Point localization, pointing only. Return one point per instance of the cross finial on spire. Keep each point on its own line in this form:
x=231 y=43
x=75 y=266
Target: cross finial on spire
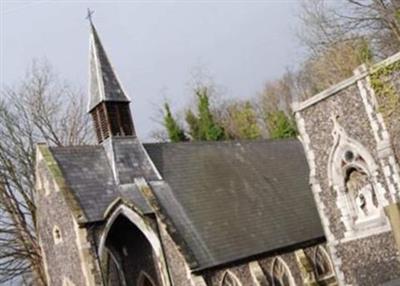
x=89 y=15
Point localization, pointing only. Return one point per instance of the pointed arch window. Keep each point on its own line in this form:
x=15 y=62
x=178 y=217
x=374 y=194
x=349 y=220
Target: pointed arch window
x=230 y=279
x=352 y=174
x=145 y=279
x=322 y=264
x=280 y=273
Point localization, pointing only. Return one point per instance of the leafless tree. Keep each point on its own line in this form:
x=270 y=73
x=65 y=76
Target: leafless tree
x=326 y=23
x=340 y=36
x=278 y=94
x=39 y=109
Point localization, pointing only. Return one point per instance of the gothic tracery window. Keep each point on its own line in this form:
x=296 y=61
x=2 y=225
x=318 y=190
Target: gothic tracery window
x=354 y=175
x=280 y=273
x=229 y=279
x=322 y=264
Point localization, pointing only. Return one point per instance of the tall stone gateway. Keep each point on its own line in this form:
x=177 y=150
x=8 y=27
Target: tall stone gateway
x=351 y=136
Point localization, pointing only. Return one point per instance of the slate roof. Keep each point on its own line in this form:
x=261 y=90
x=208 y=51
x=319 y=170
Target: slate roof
x=232 y=200
x=226 y=200
x=89 y=176
x=131 y=160
x=104 y=84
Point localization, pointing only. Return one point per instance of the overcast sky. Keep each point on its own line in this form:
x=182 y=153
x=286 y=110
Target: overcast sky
x=155 y=46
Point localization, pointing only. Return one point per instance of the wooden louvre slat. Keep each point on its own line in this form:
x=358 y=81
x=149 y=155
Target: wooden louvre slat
x=96 y=125
x=103 y=121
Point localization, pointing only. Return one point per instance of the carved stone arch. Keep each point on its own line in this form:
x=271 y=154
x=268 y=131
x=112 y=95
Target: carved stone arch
x=116 y=266
x=342 y=145
x=280 y=273
x=322 y=263
x=257 y=274
x=230 y=279
x=349 y=159
x=145 y=229
x=145 y=279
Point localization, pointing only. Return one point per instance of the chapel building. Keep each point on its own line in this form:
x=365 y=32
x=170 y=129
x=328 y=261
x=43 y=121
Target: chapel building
x=319 y=210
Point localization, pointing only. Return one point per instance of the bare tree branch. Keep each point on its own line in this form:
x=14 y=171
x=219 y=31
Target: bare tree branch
x=40 y=108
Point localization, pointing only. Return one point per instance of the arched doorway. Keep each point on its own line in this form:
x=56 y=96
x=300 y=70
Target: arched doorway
x=128 y=247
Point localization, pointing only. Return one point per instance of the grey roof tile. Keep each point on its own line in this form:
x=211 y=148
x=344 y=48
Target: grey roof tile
x=236 y=199
x=89 y=176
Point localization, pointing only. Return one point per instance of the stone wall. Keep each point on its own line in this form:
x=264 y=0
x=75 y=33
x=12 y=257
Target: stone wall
x=348 y=116
x=56 y=232
x=259 y=272
x=178 y=268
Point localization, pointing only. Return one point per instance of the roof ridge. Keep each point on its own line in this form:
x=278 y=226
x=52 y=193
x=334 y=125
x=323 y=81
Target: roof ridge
x=224 y=141
x=86 y=146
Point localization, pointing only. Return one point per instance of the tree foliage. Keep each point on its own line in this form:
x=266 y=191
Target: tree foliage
x=329 y=67
x=175 y=132
x=202 y=126
x=280 y=125
x=233 y=119
x=240 y=121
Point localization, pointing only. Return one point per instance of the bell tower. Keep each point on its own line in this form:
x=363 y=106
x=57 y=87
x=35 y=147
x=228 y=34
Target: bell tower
x=108 y=103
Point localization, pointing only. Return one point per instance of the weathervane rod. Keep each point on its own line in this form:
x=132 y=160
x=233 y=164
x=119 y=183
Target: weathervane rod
x=89 y=15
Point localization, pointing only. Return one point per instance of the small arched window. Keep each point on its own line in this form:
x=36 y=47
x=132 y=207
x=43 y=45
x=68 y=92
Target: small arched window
x=280 y=273
x=229 y=279
x=57 y=235
x=322 y=263
x=145 y=280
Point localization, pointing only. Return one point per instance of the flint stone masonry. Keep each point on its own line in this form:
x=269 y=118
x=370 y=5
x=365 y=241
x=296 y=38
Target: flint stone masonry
x=57 y=256
x=369 y=257
x=370 y=261
x=348 y=106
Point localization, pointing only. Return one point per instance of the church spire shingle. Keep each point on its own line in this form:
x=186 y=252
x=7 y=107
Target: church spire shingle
x=108 y=103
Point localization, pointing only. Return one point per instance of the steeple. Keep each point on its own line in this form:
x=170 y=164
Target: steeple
x=108 y=103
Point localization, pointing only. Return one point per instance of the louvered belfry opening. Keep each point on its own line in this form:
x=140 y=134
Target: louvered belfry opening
x=120 y=119
x=112 y=119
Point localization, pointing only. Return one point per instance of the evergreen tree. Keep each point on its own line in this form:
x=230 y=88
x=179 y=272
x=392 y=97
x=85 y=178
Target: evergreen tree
x=175 y=132
x=280 y=125
x=193 y=123
x=203 y=126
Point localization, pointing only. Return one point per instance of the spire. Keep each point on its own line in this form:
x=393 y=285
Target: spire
x=108 y=103
x=104 y=84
